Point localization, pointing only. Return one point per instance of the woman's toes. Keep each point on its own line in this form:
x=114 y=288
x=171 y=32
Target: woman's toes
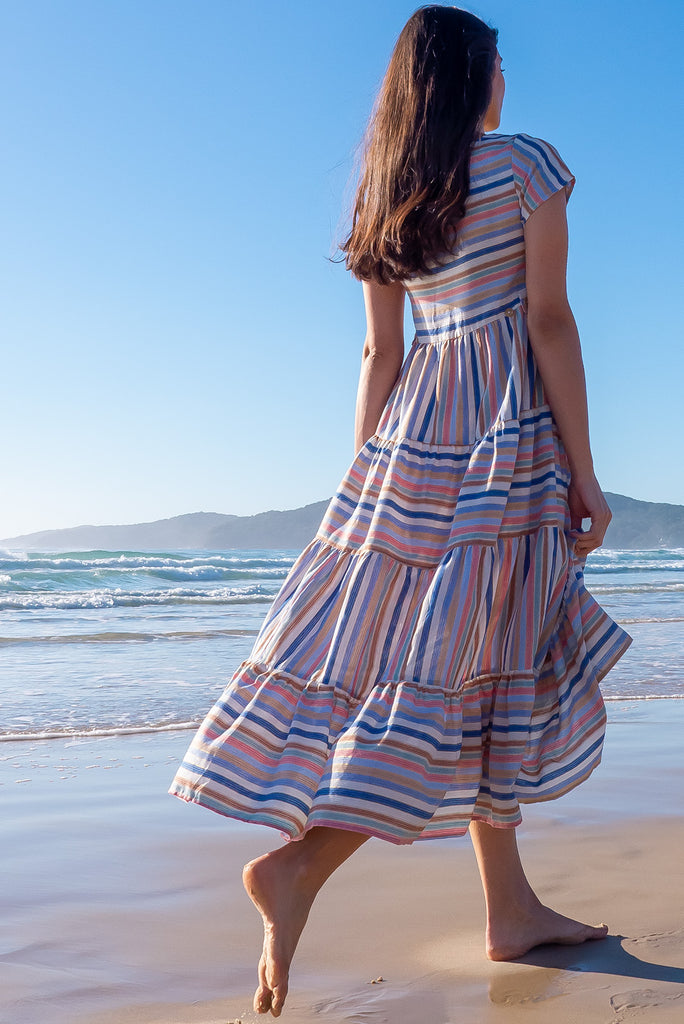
x=262 y=1001
x=279 y=993
x=263 y=997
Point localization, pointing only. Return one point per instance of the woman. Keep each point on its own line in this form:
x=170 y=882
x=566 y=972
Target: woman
x=432 y=659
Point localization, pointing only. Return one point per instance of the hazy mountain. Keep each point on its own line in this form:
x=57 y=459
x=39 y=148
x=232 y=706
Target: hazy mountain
x=293 y=528
x=636 y=524
x=644 y=524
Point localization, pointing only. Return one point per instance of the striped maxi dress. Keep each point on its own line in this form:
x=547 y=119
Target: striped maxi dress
x=433 y=655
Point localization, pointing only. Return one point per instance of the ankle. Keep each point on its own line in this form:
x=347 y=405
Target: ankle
x=514 y=906
x=301 y=865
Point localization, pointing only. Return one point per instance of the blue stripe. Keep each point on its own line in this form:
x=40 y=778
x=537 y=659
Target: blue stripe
x=375 y=798
x=565 y=769
x=254 y=795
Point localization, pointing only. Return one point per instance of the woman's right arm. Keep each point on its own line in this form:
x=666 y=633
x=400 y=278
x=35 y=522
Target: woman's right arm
x=383 y=354
x=556 y=346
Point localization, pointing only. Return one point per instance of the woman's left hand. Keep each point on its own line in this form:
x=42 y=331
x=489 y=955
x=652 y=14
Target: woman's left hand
x=587 y=501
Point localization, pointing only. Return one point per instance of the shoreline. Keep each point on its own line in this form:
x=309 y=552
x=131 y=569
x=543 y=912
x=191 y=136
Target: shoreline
x=116 y=731
x=124 y=905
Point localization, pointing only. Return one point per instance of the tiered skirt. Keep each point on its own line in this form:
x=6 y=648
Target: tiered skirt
x=433 y=655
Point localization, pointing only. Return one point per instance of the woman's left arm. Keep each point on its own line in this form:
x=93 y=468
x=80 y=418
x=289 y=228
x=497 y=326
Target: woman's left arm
x=383 y=354
x=556 y=346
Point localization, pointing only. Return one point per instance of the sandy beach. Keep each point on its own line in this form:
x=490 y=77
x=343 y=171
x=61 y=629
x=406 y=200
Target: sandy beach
x=122 y=904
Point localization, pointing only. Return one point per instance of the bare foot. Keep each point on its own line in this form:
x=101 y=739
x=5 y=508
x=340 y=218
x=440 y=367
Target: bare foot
x=277 y=885
x=537 y=926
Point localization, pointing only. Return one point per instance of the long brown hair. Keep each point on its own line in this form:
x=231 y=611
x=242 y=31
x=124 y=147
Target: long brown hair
x=415 y=173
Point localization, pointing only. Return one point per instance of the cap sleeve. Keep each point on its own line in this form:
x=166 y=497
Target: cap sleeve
x=538 y=172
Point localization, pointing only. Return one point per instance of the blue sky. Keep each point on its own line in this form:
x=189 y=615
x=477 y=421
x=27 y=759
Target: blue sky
x=174 y=179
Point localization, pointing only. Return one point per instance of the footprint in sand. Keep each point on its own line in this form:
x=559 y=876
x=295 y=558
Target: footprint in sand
x=664 y=1002
x=667 y=948
x=655 y=1006
x=528 y=986
x=384 y=1003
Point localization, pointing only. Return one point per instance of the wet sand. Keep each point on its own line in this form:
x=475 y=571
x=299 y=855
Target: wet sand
x=122 y=904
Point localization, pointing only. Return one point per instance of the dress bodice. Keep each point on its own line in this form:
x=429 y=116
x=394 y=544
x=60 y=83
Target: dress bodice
x=484 y=278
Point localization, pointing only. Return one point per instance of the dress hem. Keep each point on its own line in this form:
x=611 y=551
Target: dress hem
x=332 y=822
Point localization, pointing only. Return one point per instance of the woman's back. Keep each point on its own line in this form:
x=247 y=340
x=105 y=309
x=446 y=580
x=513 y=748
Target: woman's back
x=510 y=175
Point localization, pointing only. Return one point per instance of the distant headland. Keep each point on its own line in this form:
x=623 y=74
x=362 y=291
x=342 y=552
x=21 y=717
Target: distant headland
x=636 y=524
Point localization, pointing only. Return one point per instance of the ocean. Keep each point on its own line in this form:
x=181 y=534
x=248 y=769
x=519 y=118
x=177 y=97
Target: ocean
x=105 y=643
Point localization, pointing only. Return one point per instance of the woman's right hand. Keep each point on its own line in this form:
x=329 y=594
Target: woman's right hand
x=587 y=501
